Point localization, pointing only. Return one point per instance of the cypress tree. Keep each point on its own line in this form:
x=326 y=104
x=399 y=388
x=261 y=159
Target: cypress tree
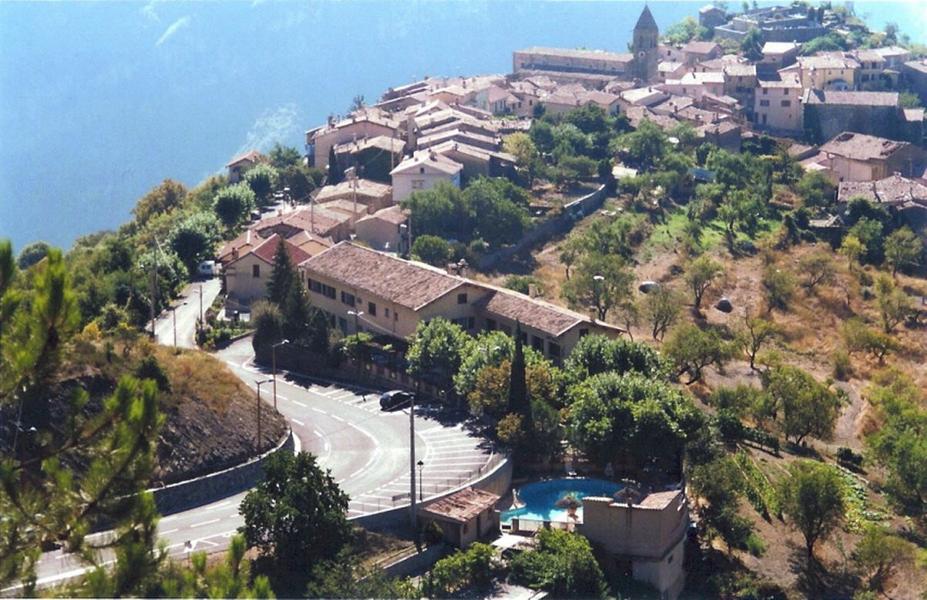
x=518 y=385
x=335 y=174
x=282 y=276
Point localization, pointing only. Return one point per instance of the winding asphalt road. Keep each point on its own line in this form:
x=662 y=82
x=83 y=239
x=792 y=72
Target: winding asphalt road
x=366 y=450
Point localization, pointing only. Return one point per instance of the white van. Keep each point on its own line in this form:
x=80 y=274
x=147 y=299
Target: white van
x=207 y=268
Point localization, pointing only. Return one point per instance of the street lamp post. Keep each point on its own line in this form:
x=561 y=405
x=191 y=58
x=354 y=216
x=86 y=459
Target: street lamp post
x=258 y=441
x=173 y=310
x=273 y=363
x=413 y=512
x=421 y=465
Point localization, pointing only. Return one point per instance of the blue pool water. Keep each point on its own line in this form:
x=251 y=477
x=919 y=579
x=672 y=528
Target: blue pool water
x=540 y=498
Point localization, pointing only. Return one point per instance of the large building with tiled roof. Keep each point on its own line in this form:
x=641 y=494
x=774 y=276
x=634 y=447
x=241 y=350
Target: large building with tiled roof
x=858 y=157
x=391 y=296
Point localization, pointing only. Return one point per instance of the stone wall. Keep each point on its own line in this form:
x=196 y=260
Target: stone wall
x=562 y=223
x=825 y=121
x=183 y=495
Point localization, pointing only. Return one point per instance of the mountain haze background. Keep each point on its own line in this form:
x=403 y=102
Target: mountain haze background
x=100 y=101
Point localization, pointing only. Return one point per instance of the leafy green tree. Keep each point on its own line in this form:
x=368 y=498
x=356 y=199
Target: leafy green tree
x=903 y=250
x=895 y=305
x=167 y=196
x=234 y=204
x=495 y=214
x=691 y=349
x=437 y=351
x=299 y=179
x=32 y=254
x=869 y=232
x=646 y=420
x=268 y=322
x=522 y=147
x=295 y=518
x=601 y=282
x=468 y=568
x=860 y=338
x=431 y=249
x=194 y=238
x=685 y=31
x=880 y=553
x=817 y=269
x=524 y=283
x=779 y=288
x=756 y=333
x=900 y=443
x=304 y=323
x=700 y=276
x=562 y=564
x=281 y=156
x=282 y=275
x=809 y=407
x=644 y=147
x=816 y=190
x=594 y=354
x=752 y=44
x=439 y=211
x=261 y=178
x=661 y=308
x=720 y=485
x=812 y=498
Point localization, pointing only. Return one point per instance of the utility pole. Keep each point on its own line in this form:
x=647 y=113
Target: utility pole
x=201 y=302
x=153 y=292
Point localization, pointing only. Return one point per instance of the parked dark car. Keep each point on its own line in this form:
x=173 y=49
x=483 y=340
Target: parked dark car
x=395 y=399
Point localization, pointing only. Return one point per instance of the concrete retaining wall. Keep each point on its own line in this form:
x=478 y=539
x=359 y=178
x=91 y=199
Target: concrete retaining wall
x=187 y=494
x=497 y=481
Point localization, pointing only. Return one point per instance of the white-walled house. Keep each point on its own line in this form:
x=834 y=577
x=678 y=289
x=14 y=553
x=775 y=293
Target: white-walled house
x=422 y=171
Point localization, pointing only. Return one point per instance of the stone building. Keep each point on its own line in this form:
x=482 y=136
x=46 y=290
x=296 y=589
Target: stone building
x=644 y=43
x=828 y=113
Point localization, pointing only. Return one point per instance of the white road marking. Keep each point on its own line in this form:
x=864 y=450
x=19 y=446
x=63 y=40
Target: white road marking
x=298 y=422
x=169 y=531
x=210 y=522
x=319 y=410
x=220 y=505
x=337 y=418
x=300 y=403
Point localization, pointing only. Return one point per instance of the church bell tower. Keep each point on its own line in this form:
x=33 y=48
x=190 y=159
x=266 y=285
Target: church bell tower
x=644 y=47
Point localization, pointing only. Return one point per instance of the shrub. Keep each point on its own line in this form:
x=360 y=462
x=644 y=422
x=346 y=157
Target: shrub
x=843 y=369
x=847 y=457
x=461 y=570
x=150 y=368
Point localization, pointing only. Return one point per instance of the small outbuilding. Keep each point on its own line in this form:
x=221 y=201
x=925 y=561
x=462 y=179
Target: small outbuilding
x=464 y=517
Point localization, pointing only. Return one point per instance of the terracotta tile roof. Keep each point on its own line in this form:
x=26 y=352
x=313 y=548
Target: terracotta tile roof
x=268 y=248
x=309 y=243
x=249 y=156
x=659 y=500
x=243 y=244
x=827 y=61
x=428 y=160
x=321 y=223
x=379 y=142
x=701 y=47
x=365 y=188
x=853 y=98
x=406 y=283
x=530 y=312
x=858 y=146
x=587 y=54
x=462 y=506
x=891 y=190
x=393 y=214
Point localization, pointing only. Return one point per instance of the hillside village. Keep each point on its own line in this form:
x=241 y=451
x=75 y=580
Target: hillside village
x=685 y=283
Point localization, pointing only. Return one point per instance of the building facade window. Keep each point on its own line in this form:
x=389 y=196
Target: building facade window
x=764 y=102
x=322 y=289
x=371 y=309
x=347 y=298
x=462 y=298
x=786 y=103
x=418 y=184
x=255 y=270
x=553 y=350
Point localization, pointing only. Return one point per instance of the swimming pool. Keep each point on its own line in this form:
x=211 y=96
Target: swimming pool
x=540 y=498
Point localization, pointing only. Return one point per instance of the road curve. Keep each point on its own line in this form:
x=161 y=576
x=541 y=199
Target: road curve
x=366 y=450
